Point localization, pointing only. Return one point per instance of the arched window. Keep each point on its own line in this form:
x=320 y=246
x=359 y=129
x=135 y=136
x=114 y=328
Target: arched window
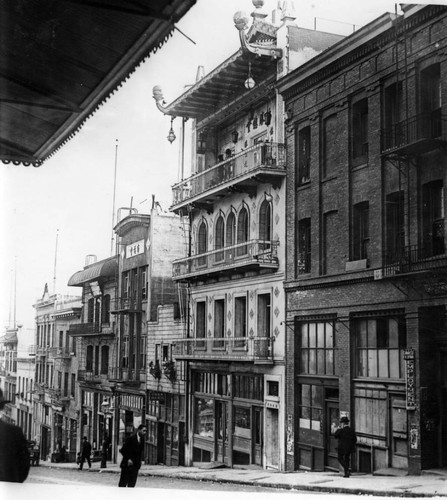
x=242 y=231
x=104 y=359
x=202 y=237
x=219 y=239
x=106 y=309
x=265 y=225
x=89 y=359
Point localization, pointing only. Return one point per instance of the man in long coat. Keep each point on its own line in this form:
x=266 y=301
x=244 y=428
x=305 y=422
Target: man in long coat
x=131 y=452
x=346 y=444
x=14 y=454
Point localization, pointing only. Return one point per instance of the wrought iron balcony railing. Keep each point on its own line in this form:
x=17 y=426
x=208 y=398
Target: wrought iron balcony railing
x=263 y=157
x=87 y=329
x=253 y=253
x=126 y=305
x=127 y=375
x=90 y=376
x=59 y=353
x=256 y=349
x=414 y=258
x=417 y=134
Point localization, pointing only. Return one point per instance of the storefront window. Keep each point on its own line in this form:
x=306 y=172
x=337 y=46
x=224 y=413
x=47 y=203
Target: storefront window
x=311 y=407
x=317 y=348
x=242 y=422
x=204 y=417
x=380 y=343
x=174 y=438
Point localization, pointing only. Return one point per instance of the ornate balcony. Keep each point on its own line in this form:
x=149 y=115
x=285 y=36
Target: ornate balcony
x=126 y=376
x=90 y=376
x=90 y=329
x=416 y=135
x=250 y=255
x=264 y=162
x=255 y=349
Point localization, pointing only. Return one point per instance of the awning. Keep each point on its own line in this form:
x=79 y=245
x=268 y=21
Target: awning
x=60 y=59
x=104 y=269
x=225 y=85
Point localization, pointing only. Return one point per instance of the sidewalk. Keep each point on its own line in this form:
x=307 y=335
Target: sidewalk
x=427 y=485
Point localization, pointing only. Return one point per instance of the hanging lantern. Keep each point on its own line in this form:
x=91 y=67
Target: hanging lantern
x=267 y=117
x=201 y=143
x=235 y=136
x=249 y=82
x=171 y=136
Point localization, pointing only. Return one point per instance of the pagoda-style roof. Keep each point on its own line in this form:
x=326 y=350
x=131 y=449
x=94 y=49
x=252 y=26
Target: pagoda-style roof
x=61 y=59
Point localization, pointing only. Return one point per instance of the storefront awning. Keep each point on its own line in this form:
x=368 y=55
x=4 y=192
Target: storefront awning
x=104 y=269
x=61 y=59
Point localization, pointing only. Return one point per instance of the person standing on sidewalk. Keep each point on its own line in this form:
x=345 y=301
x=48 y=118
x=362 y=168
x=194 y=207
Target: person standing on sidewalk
x=104 y=451
x=86 y=451
x=346 y=444
x=131 y=452
x=14 y=454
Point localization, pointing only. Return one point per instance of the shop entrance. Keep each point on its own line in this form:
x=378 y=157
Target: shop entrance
x=222 y=431
x=398 y=432
x=272 y=443
x=330 y=443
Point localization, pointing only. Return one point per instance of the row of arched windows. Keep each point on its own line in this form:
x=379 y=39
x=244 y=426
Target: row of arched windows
x=235 y=228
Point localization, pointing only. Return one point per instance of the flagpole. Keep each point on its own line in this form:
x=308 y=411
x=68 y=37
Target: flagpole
x=114 y=193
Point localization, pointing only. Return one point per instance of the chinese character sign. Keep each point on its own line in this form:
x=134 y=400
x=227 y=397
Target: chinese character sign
x=135 y=248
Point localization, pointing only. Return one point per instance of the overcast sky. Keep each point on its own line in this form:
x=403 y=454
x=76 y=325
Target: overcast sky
x=72 y=193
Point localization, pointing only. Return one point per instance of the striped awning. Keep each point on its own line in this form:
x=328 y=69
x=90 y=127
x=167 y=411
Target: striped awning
x=106 y=268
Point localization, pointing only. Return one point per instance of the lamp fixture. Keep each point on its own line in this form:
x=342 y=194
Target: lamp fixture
x=171 y=136
x=235 y=136
x=201 y=143
x=268 y=197
x=249 y=82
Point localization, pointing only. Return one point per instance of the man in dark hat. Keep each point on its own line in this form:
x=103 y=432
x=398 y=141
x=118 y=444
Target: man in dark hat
x=14 y=455
x=346 y=444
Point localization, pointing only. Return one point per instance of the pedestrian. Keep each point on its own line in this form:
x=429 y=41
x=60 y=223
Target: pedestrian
x=131 y=452
x=14 y=453
x=104 y=451
x=346 y=444
x=86 y=451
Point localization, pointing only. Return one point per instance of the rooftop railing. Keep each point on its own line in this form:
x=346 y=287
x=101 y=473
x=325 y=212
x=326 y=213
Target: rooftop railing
x=254 y=252
x=270 y=156
x=257 y=349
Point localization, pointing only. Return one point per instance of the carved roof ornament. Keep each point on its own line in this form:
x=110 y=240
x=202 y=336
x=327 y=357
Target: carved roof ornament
x=260 y=39
x=157 y=94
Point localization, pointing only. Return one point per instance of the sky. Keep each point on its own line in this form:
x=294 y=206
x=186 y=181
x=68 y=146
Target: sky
x=66 y=204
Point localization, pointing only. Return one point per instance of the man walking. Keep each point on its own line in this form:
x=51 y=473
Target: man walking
x=346 y=444
x=86 y=451
x=14 y=454
x=131 y=452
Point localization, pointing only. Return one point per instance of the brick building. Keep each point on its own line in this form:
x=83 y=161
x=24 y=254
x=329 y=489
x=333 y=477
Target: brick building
x=366 y=257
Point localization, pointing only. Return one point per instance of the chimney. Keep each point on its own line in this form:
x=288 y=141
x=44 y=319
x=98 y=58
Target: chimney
x=90 y=259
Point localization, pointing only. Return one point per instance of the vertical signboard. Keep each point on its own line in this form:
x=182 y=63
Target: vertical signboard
x=410 y=379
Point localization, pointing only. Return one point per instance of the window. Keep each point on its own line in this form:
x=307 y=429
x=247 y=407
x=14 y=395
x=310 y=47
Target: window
x=202 y=243
x=360 y=131
x=433 y=218
x=360 y=240
x=317 y=348
x=204 y=417
x=265 y=225
x=66 y=375
x=201 y=323
x=431 y=99
x=144 y=284
x=310 y=407
x=61 y=338
x=304 y=260
x=248 y=387
x=125 y=352
x=393 y=114
x=90 y=310
x=264 y=315
x=330 y=145
x=126 y=285
x=302 y=162
x=73 y=385
x=240 y=320
x=219 y=322
x=104 y=359
x=219 y=238
x=106 y=309
x=96 y=363
x=242 y=231
x=89 y=359
x=395 y=232
x=380 y=344
x=143 y=355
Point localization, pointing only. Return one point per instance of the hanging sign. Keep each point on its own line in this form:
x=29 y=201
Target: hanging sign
x=410 y=379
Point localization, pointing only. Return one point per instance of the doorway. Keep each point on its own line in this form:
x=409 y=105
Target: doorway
x=222 y=432
x=398 y=431
x=330 y=443
x=272 y=443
